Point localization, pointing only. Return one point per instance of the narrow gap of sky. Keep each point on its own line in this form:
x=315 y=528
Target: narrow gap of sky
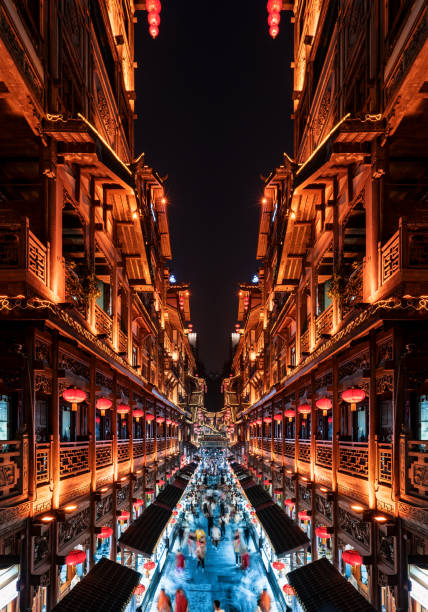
x=214 y=104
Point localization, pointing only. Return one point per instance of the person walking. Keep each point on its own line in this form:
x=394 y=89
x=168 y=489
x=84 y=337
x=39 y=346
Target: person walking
x=215 y=535
x=216 y=604
x=210 y=520
x=164 y=602
x=222 y=522
x=180 y=604
x=237 y=546
x=201 y=550
x=179 y=561
x=247 y=532
x=264 y=601
x=180 y=535
x=245 y=558
x=191 y=543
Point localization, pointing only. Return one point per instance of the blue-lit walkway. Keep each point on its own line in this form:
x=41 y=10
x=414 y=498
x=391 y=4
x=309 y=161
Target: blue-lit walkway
x=237 y=590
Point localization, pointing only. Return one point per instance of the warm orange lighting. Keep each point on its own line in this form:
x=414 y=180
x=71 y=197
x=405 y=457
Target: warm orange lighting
x=292 y=215
x=70 y=508
x=357 y=508
x=264 y=200
x=253 y=355
x=323 y=490
x=380 y=519
x=135 y=215
x=48 y=518
x=103 y=489
x=123 y=478
x=164 y=200
x=289 y=471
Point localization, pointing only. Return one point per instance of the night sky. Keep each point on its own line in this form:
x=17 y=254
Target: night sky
x=213 y=105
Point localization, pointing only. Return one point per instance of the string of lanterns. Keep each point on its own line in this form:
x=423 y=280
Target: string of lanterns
x=274 y=16
x=153 y=17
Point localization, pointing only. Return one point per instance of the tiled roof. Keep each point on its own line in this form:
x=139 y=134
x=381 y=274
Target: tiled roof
x=257 y=496
x=284 y=534
x=107 y=588
x=319 y=586
x=143 y=535
x=170 y=496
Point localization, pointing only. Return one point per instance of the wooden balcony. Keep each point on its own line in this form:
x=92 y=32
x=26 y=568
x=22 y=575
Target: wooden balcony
x=122 y=450
x=104 y=453
x=305 y=340
x=324 y=323
x=43 y=463
x=74 y=459
x=384 y=463
x=13 y=475
x=138 y=448
x=305 y=450
x=403 y=260
x=289 y=447
x=123 y=342
x=354 y=458
x=103 y=323
x=323 y=453
x=414 y=468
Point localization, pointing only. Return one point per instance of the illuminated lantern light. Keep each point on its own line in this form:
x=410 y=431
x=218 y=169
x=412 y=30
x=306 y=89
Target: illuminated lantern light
x=160 y=482
x=353 y=397
x=267 y=482
x=75 y=557
x=154 y=19
x=290 y=414
x=274 y=6
x=278 y=565
x=288 y=590
x=304 y=409
x=274 y=31
x=304 y=516
x=274 y=19
x=179 y=506
x=123 y=409
x=175 y=513
x=74 y=397
x=124 y=516
x=324 y=404
x=150 y=492
x=153 y=6
x=330 y=419
x=278 y=418
x=154 y=31
x=168 y=422
x=248 y=506
x=103 y=404
x=139 y=590
x=322 y=533
x=352 y=557
x=137 y=503
x=259 y=422
x=278 y=491
x=289 y=503
x=138 y=414
x=149 y=566
x=106 y=532
x=150 y=417
x=267 y=420
x=173 y=521
x=259 y=475
x=160 y=419
x=97 y=420
x=254 y=520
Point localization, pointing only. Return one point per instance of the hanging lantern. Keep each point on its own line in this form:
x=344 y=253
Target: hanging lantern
x=322 y=533
x=267 y=420
x=304 y=516
x=324 y=404
x=274 y=6
x=154 y=19
x=274 y=19
x=353 y=397
x=123 y=516
x=173 y=521
x=160 y=482
x=123 y=409
x=149 y=565
x=154 y=31
x=259 y=422
x=179 y=506
x=278 y=565
x=277 y=491
x=106 y=532
x=290 y=414
x=137 y=414
x=289 y=503
x=137 y=503
x=97 y=420
x=288 y=590
x=150 y=492
x=168 y=422
x=352 y=557
x=274 y=31
x=139 y=590
x=75 y=557
x=304 y=409
x=160 y=419
x=74 y=397
x=254 y=520
x=267 y=482
x=248 y=506
x=277 y=418
x=149 y=417
x=103 y=404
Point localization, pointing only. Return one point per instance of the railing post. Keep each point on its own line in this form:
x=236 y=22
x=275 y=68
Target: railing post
x=403 y=466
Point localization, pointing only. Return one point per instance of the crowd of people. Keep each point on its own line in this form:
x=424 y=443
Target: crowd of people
x=212 y=506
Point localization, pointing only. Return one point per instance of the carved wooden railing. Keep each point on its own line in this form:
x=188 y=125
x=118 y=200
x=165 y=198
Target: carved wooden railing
x=103 y=322
x=123 y=342
x=323 y=453
x=406 y=249
x=11 y=481
x=390 y=258
x=161 y=445
x=305 y=340
x=289 y=447
x=354 y=458
x=43 y=466
x=74 y=458
x=305 y=450
x=150 y=446
x=104 y=453
x=37 y=258
x=122 y=450
x=74 y=291
x=266 y=445
x=20 y=249
x=414 y=467
x=324 y=323
x=277 y=447
x=138 y=448
x=384 y=463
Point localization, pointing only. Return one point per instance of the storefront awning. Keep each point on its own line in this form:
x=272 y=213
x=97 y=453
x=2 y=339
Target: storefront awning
x=143 y=535
x=284 y=535
x=171 y=495
x=257 y=496
x=108 y=586
x=319 y=586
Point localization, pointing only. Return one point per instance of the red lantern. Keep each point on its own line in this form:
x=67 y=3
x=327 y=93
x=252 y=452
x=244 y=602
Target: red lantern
x=150 y=492
x=75 y=557
x=267 y=482
x=173 y=520
x=137 y=503
x=154 y=31
x=274 y=6
x=174 y=512
x=278 y=418
x=304 y=516
x=254 y=520
x=160 y=419
x=137 y=414
x=289 y=503
x=322 y=532
x=259 y=422
x=290 y=414
x=352 y=557
x=103 y=404
x=179 y=506
x=123 y=409
x=74 y=396
x=153 y=6
x=277 y=491
x=274 y=19
x=97 y=420
x=274 y=31
x=160 y=482
x=168 y=422
x=353 y=397
x=149 y=565
x=139 y=590
x=278 y=565
x=106 y=532
x=267 y=420
x=288 y=590
x=123 y=516
x=153 y=19
x=304 y=409
x=324 y=404
x=150 y=417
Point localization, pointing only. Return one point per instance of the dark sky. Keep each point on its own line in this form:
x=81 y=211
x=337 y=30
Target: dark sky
x=213 y=104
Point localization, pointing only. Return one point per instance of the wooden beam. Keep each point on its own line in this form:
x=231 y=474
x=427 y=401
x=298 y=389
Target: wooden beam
x=296 y=255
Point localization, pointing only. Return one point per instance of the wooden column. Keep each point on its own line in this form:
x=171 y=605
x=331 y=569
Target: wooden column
x=131 y=431
x=313 y=307
x=335 y=458
x=91 y=251
x=314 y=547
x=55 y=465
x=92 y=457
x=337 y=254
x=372 y=446
x=298 y=325
x=313 y=424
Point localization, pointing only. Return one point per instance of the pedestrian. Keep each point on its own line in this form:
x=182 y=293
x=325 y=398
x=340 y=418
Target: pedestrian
x=247 y=533
x=216 y=604
x=237 y=546
x=222 y=522
x=201 y=549
x=180 y=603
x=245 y=558
x=264 y=601
x=191 y=543
x=164 y=602
x=179 y=561
x=210 y=523
x=215 y=535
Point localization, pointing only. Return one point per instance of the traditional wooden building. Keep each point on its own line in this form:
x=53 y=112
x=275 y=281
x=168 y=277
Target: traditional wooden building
x=95 y=361
x=331 y=361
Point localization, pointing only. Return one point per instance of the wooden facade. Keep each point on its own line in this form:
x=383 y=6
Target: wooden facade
x=341 y=298
x=85 y=297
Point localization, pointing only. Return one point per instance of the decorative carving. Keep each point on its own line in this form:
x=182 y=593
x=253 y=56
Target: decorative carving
x=384 y=352
x=42 y=383
x=357 y=363
x=305 y=495
x=67 y=362
x=359 y=531
x=42 y=351
x=384 y=383
x=71 y=529
x=386 y=549
x=104 y=506
x=123 y=495
x=323 y=507
x=104 y=381
x=41 y=549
